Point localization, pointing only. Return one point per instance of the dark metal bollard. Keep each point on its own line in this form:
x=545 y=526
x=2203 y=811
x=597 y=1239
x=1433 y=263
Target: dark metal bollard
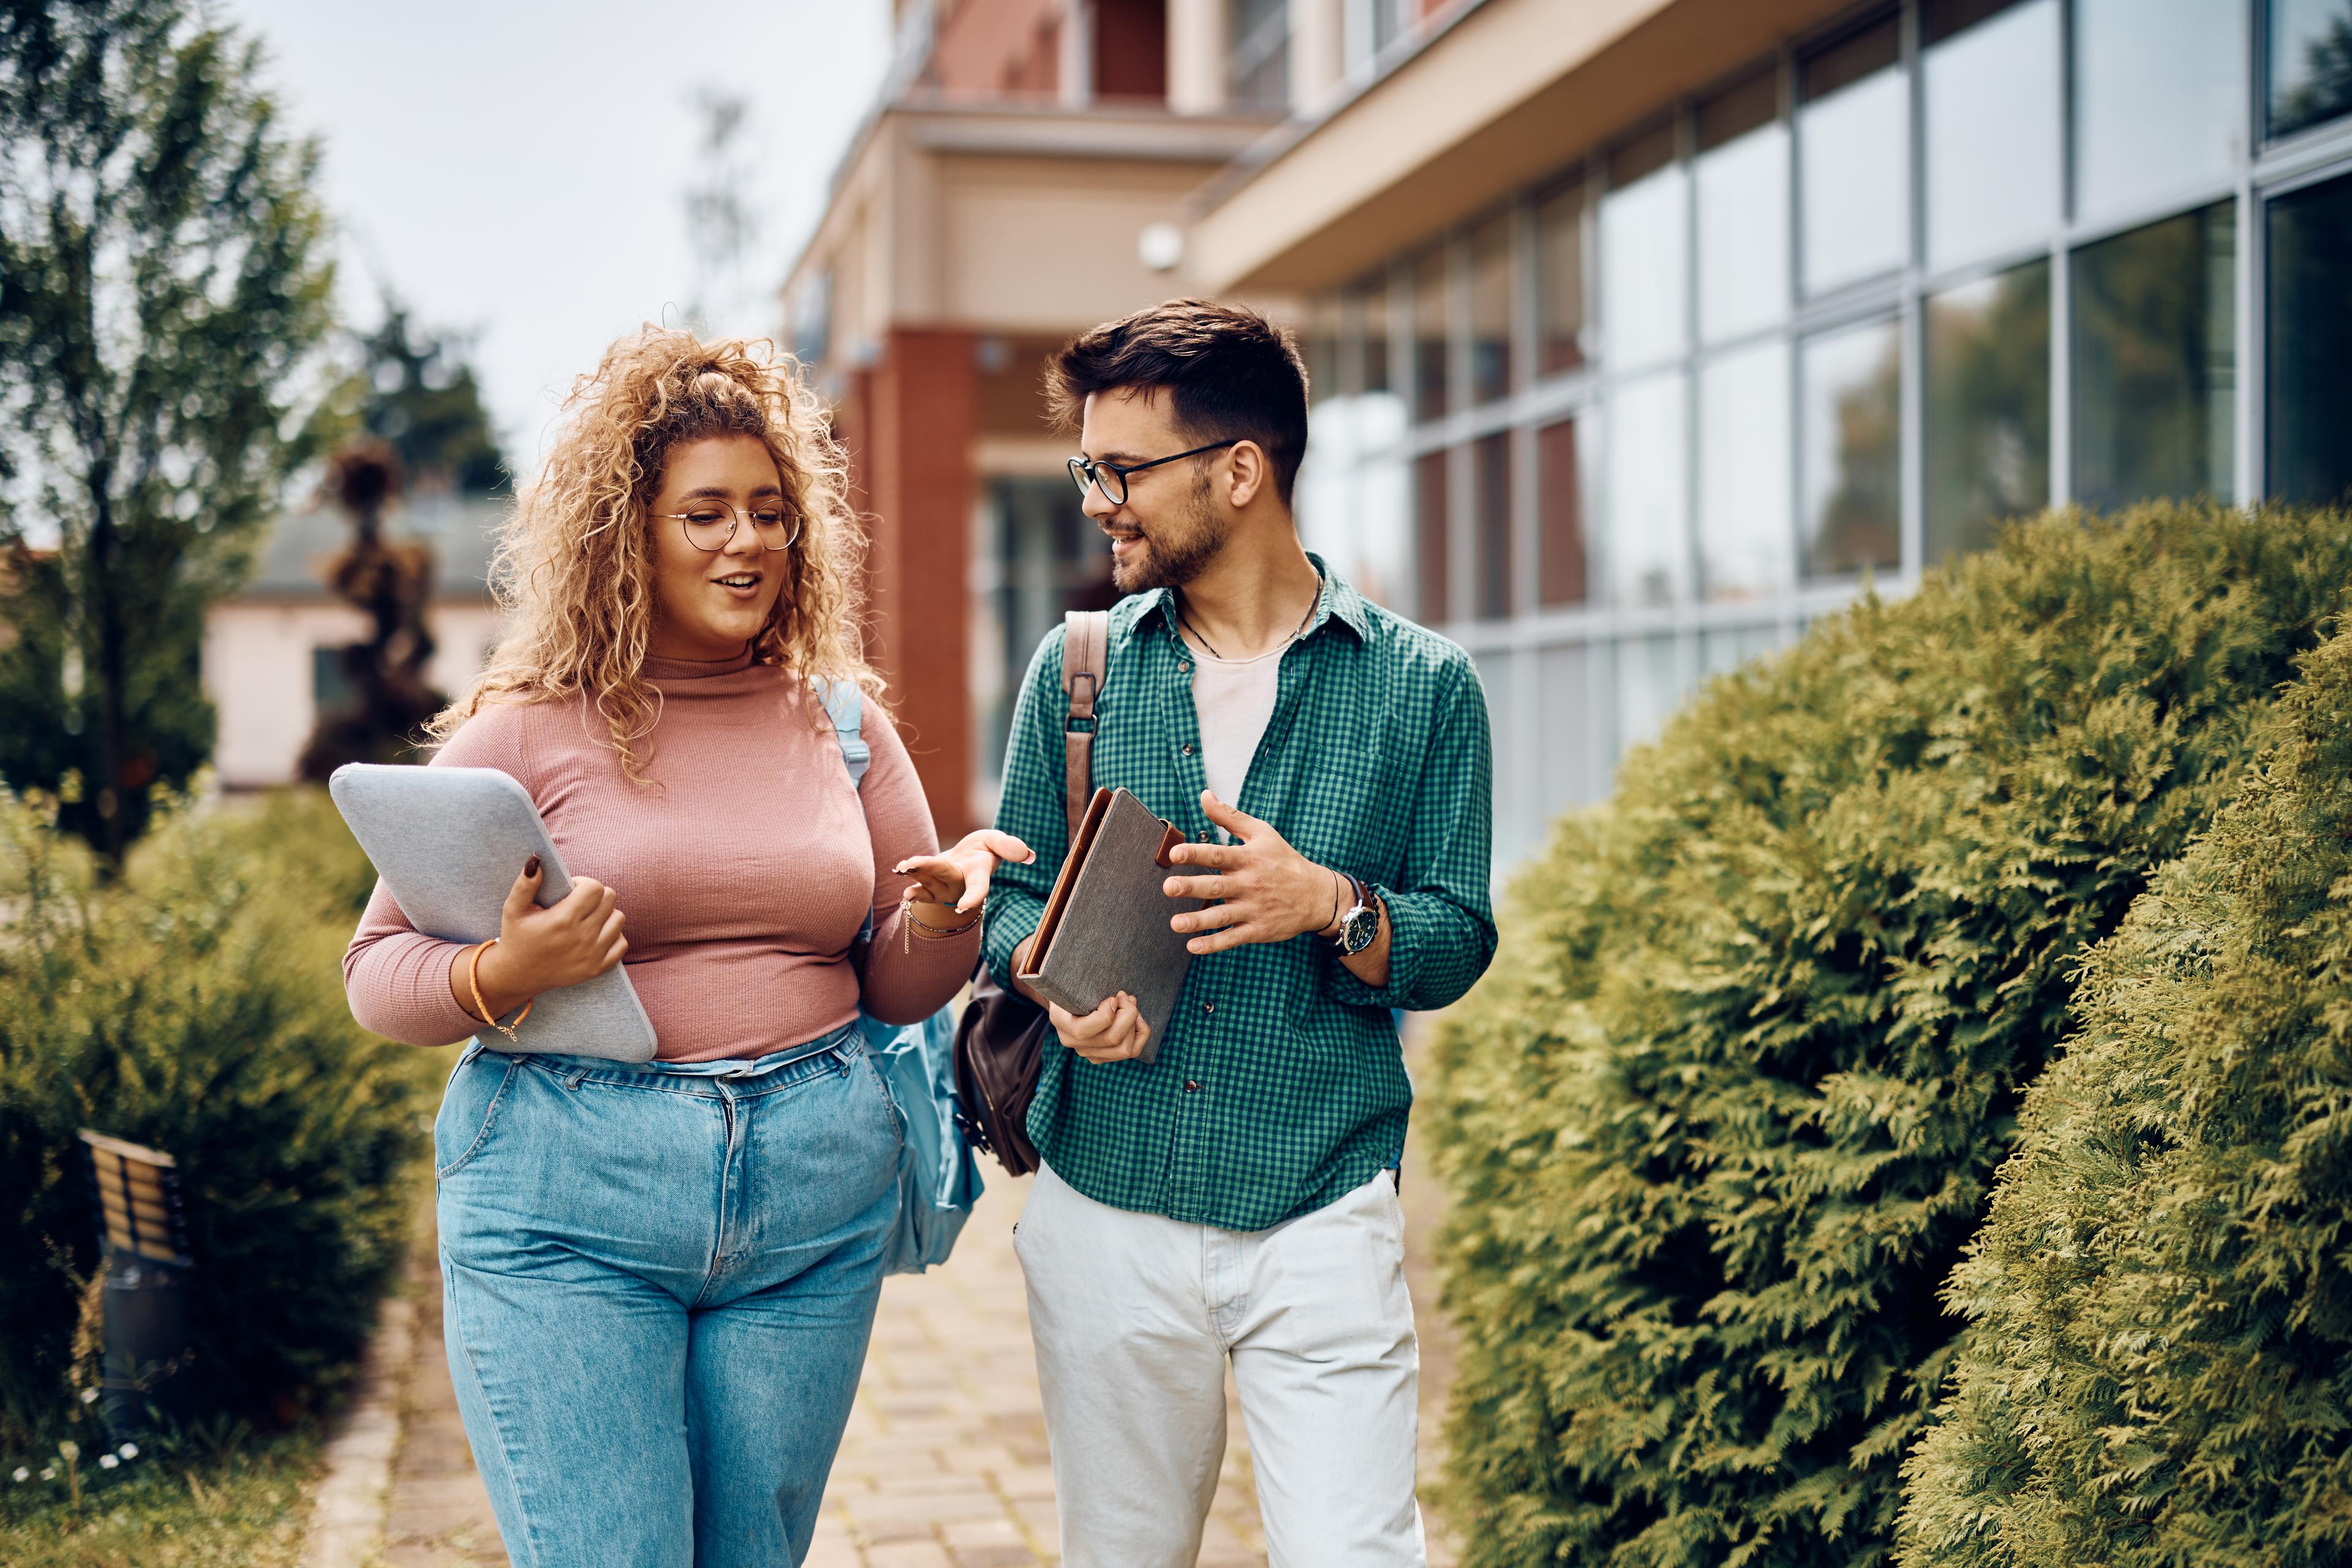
x=145 y=1355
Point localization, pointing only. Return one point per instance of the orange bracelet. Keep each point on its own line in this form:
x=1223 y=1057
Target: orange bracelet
x=474 y=980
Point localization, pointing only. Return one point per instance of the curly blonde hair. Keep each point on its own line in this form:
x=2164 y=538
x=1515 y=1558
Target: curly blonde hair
x=573 y=568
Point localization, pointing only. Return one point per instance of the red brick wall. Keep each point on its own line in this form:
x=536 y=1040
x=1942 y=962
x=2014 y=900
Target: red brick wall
x=909 y=423
x=1000 y=47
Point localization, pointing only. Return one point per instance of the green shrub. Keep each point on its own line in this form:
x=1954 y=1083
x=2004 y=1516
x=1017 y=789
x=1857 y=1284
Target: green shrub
x=1719 y=1124
x=2159 y=1365
x=198 y=1008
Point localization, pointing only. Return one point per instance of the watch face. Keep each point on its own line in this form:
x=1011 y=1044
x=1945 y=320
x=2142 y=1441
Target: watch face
x=1362 y=924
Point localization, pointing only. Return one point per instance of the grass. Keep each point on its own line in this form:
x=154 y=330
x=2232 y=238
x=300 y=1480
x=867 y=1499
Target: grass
x=224 y=1497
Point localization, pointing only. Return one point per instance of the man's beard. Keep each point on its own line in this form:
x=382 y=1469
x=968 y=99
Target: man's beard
x=1174 y=554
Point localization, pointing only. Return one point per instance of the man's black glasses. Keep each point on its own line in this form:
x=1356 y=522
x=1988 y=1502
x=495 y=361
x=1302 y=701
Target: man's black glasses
x=1111 y=477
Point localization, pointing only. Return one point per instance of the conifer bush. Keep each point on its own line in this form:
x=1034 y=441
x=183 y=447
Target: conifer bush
x=2159 y=1369
x=197 y=1007
x=1720 y=1122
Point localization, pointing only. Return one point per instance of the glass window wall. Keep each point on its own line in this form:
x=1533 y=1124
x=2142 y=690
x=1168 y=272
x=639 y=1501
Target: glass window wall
x=1647 y=510
x=1854 y=154
x=1742 y=171
x=2310 y=343
x=1991 y=81
x=1852 y=425
x=2310 y=63
x=2154 y=352
x=1559 y=281
x=1988 y=407
x=1714 y=382
x=2159 y=98
x=1746 y=543
x=1646 y=253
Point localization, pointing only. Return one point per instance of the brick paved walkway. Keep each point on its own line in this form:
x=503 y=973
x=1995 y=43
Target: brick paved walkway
x=944 y=1463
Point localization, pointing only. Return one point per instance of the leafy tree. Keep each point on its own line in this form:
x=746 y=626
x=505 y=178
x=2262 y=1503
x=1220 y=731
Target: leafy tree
x=2160 y=1366
x=163 y=279
x=1721 y=1119
x=419 y=396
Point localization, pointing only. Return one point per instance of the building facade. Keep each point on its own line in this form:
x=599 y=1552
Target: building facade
x=1641 y=332
x=271 y=652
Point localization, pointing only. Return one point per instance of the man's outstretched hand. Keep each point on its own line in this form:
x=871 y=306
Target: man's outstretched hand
x=1267 y=891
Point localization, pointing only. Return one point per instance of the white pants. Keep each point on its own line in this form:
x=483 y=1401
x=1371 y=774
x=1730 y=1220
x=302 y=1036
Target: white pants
x=1134 y=1316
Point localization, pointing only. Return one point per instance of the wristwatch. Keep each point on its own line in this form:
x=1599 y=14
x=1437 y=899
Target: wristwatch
x=1361 y=924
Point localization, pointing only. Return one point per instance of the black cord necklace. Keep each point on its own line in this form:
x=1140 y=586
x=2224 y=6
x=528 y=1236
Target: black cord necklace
x=1186 y=622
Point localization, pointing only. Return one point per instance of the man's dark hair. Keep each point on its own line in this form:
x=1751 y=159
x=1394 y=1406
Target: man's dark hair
x=1230 y=374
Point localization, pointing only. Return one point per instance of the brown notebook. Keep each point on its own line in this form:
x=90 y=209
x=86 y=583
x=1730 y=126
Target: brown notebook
x=1106 y=926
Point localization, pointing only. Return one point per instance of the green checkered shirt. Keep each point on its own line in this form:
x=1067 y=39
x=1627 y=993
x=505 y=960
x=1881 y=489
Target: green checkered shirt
x=1279 y=1085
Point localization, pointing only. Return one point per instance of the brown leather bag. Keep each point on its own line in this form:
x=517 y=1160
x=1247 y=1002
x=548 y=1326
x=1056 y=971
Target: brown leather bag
x=1001 y=1038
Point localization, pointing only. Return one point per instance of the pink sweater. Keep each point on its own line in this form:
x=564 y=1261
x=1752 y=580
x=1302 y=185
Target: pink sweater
x=745 y=868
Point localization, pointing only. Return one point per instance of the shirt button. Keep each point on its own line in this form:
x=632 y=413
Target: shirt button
x=1185 y=667
x=1187 y=748
x=1190 y=1086
x=1208 y=1007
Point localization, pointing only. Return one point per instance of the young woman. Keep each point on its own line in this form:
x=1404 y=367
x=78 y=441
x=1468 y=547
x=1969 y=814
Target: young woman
x=658 y=1282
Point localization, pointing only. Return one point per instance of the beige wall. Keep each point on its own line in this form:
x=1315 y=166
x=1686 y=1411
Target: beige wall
x=1029 y=244
x=257 y=672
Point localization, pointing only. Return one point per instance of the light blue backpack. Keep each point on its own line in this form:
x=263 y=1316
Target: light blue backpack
x=939 y=1176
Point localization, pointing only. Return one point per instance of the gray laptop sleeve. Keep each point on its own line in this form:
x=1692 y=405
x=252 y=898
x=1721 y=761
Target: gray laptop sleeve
x=448 y=843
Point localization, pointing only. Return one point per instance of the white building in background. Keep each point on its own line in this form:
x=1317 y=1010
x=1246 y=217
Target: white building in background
x=271 y=654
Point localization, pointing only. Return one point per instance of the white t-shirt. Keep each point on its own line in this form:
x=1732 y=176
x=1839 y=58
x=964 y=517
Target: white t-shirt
x=1232 y=699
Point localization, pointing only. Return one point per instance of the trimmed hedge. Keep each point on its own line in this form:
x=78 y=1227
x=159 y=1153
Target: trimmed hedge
x=1721 y=1119
x=198 y=1008
x=2159 y=1369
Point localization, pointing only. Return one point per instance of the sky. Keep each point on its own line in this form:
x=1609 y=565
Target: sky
x=518 y=169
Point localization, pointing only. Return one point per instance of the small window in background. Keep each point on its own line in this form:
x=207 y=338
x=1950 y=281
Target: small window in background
x=1560 y=517
x=2310 y=63
x=1988 y=388
x=1853 y=140
x=1743 y=209
x=1320 y=346
x=1747 y=546
x=2155 y=368
x=1649 y=689
x=2310 y=343
x=1258 y=69
x=1648 y=511
x=1432 y=597
x=1852 y=430
x=1432 y=339
x=1490 y=473
x=1644 y=253
x=1990 y=77
x=1559 y=281
x=1365 y=308
x=1491 y=372
x=2159 y=98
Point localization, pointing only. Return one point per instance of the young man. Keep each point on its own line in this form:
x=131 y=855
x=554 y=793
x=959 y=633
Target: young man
x=1236 y=1197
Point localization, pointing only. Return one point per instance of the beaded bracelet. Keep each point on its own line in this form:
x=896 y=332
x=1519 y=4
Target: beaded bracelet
x=474 y=980
x=910 y=923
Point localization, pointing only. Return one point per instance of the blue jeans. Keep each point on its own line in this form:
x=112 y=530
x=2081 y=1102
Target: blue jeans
x=659 y=1285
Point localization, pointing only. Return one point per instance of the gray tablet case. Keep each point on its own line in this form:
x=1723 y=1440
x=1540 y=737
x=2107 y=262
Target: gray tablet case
x=448 y=843
x=1105 y=929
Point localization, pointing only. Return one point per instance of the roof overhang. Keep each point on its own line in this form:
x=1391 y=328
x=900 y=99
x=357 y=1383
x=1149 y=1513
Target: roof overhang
x=1509 y=92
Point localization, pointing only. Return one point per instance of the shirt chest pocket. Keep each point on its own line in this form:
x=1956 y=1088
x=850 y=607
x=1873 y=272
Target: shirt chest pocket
x=1346 y=804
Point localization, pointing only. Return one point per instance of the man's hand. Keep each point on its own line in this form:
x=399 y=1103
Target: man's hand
x=576 y=938
x=1267 y=892
x=1112 y=1033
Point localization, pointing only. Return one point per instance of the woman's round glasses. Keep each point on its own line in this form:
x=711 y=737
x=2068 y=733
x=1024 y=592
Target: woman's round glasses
x=709 y=524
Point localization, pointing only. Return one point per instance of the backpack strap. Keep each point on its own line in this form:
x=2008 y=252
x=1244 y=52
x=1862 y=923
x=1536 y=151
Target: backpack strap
x=1086 y=647
x=844 y=704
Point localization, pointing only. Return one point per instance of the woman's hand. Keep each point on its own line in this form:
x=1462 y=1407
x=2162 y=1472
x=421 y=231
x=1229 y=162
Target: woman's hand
x=539 y=950
x=957 y=877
